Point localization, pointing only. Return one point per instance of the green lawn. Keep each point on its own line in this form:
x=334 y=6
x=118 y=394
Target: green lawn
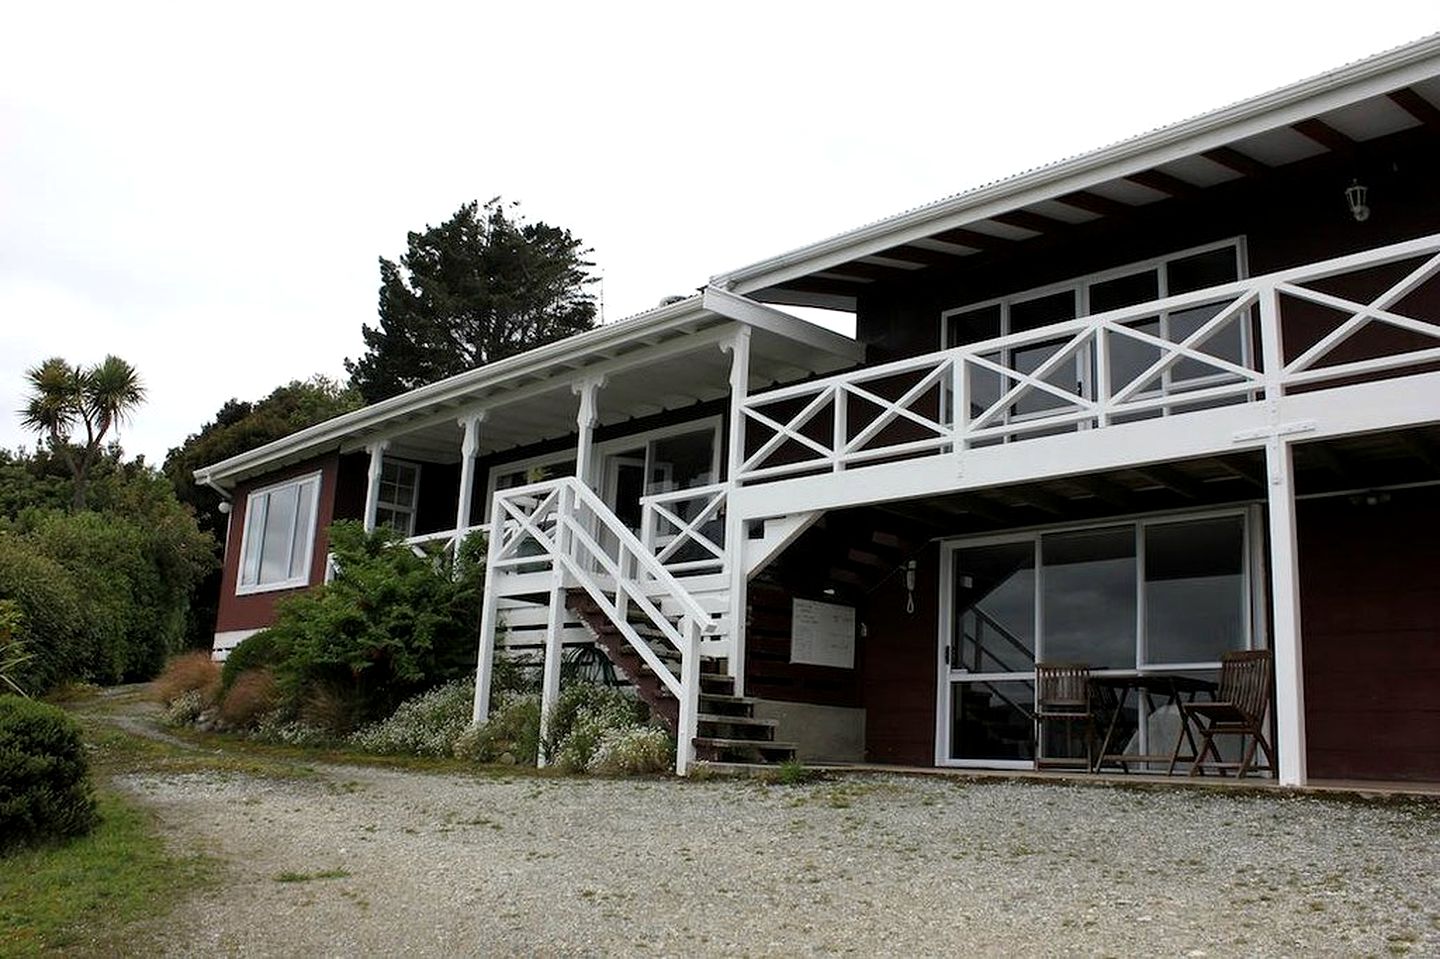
x=78 y=898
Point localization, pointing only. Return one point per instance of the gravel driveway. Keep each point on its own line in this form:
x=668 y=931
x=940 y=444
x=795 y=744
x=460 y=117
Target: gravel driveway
x=365 y=861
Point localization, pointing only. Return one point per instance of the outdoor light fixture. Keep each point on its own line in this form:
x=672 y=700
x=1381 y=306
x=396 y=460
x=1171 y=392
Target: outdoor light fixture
x=1355 y=195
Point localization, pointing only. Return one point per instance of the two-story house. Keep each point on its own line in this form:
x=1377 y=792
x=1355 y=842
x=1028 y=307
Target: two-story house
x=1173 y=398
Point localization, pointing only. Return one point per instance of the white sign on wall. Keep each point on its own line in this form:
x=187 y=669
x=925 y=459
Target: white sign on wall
x=822 y=634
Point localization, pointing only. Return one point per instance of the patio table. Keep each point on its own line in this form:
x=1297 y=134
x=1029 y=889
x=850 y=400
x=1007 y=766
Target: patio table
x=1168 y=689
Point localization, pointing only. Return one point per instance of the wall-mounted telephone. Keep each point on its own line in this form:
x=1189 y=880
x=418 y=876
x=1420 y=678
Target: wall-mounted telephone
x=910 y=586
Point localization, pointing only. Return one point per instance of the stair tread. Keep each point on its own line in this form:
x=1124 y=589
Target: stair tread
x=742 y=743
x=719 y=718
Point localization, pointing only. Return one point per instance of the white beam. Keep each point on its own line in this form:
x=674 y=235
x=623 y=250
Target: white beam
x=739 y=349
x=469 y=446
x=585 y=420
x=372 y=489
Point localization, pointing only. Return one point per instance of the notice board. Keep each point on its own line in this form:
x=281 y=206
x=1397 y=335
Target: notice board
x=822 y=634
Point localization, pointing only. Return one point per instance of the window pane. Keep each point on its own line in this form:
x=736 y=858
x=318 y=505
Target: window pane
x=992 y=720
x=304 y=521
x=254 y=537
x=1225 y=344
x=680 y=462
x=1042 y=311
x=973 y=326
x=1194 y=590
x=1202 y=270
x=995 y=606
x=1089 y=597
x=279 y=524
x=1124 y=291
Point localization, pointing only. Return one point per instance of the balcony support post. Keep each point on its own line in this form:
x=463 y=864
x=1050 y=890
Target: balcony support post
x=469 y=447
x=739 y=349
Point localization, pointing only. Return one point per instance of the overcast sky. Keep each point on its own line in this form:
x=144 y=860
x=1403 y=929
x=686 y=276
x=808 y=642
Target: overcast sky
x=204 y=189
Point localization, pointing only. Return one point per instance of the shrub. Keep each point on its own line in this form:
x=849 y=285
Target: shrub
x=634 y=751
x=390 y=625
x=275 y=728
x=58 y=635
x=12 y=646
x=44 y=776
x=254 y=652
x=595 y=710
x=191 y=672
x=250 y=696
x=330 y=708
x=425 y=725
x=513 y=730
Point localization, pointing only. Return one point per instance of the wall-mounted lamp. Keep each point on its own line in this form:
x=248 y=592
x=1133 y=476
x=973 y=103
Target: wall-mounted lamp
x=1355 y=195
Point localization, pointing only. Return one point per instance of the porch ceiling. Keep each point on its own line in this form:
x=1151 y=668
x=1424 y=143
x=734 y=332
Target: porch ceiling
x=1354 y=465
x=1333 y=114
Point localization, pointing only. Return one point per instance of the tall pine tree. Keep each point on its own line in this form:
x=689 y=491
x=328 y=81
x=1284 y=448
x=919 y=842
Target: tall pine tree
x=475 y=289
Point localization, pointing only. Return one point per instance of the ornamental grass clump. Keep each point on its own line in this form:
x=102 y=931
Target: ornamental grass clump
x=251 y=696
x=424 y=725
x=188 y=673
x=44 y=775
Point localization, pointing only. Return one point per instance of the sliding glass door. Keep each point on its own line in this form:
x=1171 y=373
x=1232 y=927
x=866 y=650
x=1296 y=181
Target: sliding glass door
x=1168 y=594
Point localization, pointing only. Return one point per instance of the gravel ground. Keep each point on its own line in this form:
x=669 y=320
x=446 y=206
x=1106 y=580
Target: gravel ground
x=426 y=864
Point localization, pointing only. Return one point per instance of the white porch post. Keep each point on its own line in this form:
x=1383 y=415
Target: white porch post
x=372 y=491
x=585 y=420
x=1284 y=555
x=489 y=619
x=1285 y=632
x=554 y=623
x=739 y=349
x=469 y=446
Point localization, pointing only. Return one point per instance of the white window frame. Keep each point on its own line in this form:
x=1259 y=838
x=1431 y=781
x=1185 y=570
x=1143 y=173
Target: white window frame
x=315 y=481
x=409 y=509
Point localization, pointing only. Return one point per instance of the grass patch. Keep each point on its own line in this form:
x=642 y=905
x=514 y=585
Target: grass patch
x=289 y=876
x=77 y=898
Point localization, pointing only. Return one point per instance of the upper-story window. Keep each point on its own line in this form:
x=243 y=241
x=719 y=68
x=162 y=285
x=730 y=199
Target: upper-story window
x=1126 y=286
x=399 y=496
x=279 y=538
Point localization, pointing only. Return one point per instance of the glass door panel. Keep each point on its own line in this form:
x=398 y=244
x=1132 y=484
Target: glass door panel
x=1089 y=597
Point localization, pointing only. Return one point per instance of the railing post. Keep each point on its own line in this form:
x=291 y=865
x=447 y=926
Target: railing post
x=841 y=435
x=1272 y=346
x=555 y=623
x=1102 y=377
x=959 y=405
x=687 y=724
x=489 y=620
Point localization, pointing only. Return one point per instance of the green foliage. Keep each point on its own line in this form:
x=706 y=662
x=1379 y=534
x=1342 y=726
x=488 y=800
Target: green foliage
x=389 y=625
x=44 y=776
x=792 y=772
x=257 y=651
x=96 y=398
x=513 y=730
x=105 y=591
x=61 y=639
x=582 y=715
x=479 y=287
x=12 y=646
x=424 y=725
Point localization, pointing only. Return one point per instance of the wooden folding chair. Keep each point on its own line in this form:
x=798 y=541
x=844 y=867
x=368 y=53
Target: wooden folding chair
x=1239 y=709
x=1062 y=694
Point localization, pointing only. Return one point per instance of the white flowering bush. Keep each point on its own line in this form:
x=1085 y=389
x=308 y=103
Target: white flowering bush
x=425 y=725
x=632 y=751
x=184 y=709
x=275 y=728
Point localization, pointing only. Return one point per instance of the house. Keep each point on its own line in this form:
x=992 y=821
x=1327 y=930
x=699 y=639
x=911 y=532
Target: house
x=1176 y=397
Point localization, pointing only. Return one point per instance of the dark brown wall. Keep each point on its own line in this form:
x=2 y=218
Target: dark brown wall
x=257 y=610
x=1370 y=618
x=1291 y=216
x=901 y=669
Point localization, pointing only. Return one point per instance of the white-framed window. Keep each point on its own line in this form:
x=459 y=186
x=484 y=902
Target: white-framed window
x=278 y=541
x=399 y=496
x=1133 y=284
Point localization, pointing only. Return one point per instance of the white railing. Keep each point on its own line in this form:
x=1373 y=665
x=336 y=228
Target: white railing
x=685 y=530
x=449 y=540
x=1169 y=357
x=563 y=524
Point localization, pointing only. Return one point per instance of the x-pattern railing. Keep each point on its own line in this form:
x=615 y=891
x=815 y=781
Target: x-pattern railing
x=683 y=545
x=1088 y=373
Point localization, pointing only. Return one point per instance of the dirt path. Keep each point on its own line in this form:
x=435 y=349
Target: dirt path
x=365 y=861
